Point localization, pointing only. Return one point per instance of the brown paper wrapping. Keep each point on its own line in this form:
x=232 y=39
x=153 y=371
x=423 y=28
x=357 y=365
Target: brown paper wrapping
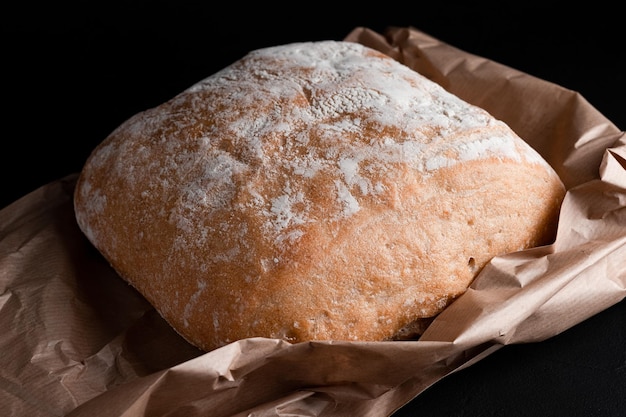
x=77 y=341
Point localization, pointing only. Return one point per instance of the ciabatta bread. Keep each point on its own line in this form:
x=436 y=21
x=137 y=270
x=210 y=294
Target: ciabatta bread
x=311 y=191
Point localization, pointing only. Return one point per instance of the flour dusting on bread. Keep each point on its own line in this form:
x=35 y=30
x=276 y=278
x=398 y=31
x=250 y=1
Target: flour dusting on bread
x=311 y=190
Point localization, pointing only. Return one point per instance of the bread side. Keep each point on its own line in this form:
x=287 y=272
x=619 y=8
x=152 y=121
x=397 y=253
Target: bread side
x=311 y=191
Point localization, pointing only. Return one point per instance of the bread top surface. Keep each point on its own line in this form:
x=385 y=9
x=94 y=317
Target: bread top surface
x=316 y=190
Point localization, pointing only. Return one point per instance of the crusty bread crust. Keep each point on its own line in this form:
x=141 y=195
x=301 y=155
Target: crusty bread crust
x=311 y=191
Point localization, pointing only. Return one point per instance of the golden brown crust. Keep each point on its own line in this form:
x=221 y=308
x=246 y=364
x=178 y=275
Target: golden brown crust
x=311 y=191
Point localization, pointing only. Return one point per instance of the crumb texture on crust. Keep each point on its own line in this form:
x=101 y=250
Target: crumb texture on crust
x=316 y=190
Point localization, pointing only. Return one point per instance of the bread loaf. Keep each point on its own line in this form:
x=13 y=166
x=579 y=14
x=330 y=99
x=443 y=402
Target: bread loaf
x=311 y=191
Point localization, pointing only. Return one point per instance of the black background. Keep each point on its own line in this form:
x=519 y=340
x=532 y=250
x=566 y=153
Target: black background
x=74 y=72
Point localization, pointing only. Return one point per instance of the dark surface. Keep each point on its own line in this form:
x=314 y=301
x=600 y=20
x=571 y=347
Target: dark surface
x=73 y=74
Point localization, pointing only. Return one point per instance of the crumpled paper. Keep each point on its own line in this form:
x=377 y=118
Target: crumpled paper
x=77 y=341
